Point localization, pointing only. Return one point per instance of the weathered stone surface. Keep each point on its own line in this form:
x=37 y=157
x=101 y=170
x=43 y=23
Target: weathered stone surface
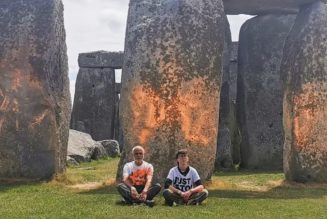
x=111 y=147
x=34 y=89
x=171 y=81
x=224 y=147
x=99 y=152
x=259 y=100
x=304 y=71
x=117 y=128
x=101 y=59
x=233 y=125
x=71 y=162
x=94 y=103
x=80 y=146
x=262 y=7
x=233 y=63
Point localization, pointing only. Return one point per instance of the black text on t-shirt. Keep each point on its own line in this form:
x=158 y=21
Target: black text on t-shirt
x=183 y=184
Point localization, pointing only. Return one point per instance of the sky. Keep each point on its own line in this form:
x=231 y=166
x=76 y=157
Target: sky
x=93 y=25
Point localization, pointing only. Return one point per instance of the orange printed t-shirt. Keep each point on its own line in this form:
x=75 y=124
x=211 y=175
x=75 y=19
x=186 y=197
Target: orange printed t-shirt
x=138 y=174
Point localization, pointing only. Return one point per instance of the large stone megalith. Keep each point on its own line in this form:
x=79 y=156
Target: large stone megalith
x=171 y=81
x=224 y=144
x=34 y=89
x=261 y=7
x=95 y=95
x=259 y=94
x=304 y=70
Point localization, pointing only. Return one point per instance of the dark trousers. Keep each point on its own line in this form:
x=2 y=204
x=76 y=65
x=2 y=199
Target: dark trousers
x=125 y=191
x=195 y=198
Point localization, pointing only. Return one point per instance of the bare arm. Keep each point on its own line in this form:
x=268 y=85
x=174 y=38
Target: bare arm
x=196 y=189
x=174 y=190
x=148 y=183
x=128 y=182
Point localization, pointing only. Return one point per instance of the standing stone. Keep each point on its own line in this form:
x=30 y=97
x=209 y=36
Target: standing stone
x=259 y=100
x=304 y=70
x=224 y=145
x=95 y=97
x=171 y=82
x=34 y=89
x=117 y=128
x=233 y=67
x=262 y=7
x=101 y=59
x=234 y=128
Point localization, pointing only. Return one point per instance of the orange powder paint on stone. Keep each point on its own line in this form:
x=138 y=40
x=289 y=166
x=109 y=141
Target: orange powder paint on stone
x=146 y=116
x=308 y=114
x=1 y=123
x=39 y=118
x=197 y=113
x=302 y=128
x=17 y=79
x=198 y=119
x=4 y=105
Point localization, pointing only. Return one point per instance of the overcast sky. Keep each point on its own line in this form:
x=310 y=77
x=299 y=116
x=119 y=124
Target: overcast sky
x=93 y=25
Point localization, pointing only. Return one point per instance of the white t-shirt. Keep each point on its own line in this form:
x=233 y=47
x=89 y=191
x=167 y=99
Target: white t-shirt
x=181 y=182
x=138 y=174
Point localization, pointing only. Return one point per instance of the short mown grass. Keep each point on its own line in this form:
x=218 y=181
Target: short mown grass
x=88 y=191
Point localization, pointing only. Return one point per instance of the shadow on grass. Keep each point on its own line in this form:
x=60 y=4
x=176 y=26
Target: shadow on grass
x=244 y=172
x=275 y=193
x=5 y=186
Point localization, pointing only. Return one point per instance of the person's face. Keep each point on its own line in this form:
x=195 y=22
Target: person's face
x=183 y=159
x=138 y=155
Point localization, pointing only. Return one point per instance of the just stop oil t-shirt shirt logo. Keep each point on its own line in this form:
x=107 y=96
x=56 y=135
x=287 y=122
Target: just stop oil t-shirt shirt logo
x=183 y=182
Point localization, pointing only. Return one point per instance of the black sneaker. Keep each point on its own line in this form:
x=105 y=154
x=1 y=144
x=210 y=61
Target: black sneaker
x=149 y=203
x=193 y=202
x=169 y=203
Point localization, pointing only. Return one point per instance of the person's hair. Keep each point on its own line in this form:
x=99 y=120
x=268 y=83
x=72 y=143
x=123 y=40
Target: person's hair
x=137 y=147
x=181 y=151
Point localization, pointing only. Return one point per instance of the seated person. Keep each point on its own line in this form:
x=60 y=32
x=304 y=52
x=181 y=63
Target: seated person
x=183 y=184
x=137 y=179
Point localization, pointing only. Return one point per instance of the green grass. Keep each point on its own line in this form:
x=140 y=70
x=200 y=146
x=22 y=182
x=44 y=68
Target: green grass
x=89 y=192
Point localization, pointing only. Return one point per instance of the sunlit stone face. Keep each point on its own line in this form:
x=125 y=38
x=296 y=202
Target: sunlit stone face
x=171 y=82
x=304 y=68
x=34 y=95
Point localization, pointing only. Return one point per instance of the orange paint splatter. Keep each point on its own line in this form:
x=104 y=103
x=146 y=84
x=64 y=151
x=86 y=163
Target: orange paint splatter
x=1 y=123
x=39 y=118
x=17 y=79
x=4 y=105
x=146 y=116
x=196 y=113
x=310 y=116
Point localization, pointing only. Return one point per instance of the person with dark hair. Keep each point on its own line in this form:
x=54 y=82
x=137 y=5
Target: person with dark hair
x=137 y=178
x=183 y=184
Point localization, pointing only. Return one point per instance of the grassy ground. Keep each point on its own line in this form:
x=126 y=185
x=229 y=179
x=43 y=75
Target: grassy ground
x=89 y=192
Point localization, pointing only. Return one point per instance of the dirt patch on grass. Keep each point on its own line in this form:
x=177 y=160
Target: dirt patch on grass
x=92 y=185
